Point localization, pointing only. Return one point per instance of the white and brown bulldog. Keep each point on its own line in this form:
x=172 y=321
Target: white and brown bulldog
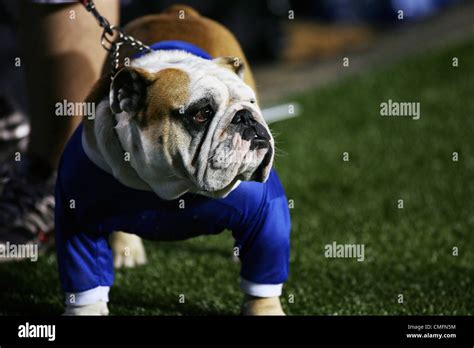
x=175 y=123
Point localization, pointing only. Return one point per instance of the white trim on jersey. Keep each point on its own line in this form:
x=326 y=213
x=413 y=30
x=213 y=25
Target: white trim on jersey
x=260 y=290
x=88 y=297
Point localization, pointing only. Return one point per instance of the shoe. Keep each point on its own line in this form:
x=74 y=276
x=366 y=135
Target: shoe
x=14 y=130
x=26 y=207
x=13 y=124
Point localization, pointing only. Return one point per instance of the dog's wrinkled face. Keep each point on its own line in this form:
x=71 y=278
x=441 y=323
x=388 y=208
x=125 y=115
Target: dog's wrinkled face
x=190 y=124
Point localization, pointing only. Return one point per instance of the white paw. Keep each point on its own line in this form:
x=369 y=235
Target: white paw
x=98 y=308
x=128 y=250
x=261 y=306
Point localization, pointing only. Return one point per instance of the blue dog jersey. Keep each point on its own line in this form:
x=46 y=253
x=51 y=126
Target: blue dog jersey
x=91 y=203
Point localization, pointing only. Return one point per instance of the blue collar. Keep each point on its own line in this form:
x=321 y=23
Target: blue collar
x=169 y=45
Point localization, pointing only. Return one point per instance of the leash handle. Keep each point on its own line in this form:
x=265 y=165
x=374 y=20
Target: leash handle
x=110 y=32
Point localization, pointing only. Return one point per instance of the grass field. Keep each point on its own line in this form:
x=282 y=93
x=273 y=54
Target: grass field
x=407 y=251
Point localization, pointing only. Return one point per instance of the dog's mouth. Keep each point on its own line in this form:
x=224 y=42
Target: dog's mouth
x=244 y=152
x=263 y=170
x=222 y=180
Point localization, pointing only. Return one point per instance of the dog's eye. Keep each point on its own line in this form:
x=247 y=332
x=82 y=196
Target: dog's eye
x=203 y=115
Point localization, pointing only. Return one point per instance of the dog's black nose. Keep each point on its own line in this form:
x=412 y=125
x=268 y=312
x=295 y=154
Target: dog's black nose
x=245 y=117
x=250 y=129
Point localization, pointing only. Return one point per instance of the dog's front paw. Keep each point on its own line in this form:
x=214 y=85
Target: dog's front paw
x=128 y=250
x=261 y=306
x=98 y=308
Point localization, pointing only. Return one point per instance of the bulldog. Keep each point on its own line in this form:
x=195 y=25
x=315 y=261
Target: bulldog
x=178 y=148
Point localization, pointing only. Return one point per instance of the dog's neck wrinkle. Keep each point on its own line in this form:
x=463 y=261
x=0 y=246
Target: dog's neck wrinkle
x=162 y=179
x=108 y=152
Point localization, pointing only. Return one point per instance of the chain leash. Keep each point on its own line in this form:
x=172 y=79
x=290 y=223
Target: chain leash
x=110 y=32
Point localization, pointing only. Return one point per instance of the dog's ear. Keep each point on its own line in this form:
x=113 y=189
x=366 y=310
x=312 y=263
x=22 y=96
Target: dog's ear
x=233 y=63
x=128 y=89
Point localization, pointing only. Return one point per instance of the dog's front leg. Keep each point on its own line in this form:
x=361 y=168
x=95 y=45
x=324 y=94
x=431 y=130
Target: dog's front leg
x=128 y=251
x=86 y=268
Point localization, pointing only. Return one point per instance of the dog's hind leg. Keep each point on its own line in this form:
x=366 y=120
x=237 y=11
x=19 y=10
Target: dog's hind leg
x=128 y=250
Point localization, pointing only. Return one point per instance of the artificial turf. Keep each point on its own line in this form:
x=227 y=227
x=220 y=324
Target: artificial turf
x=408 y=251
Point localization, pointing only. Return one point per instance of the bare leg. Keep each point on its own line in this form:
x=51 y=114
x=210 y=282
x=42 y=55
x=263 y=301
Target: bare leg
x=63 y=58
